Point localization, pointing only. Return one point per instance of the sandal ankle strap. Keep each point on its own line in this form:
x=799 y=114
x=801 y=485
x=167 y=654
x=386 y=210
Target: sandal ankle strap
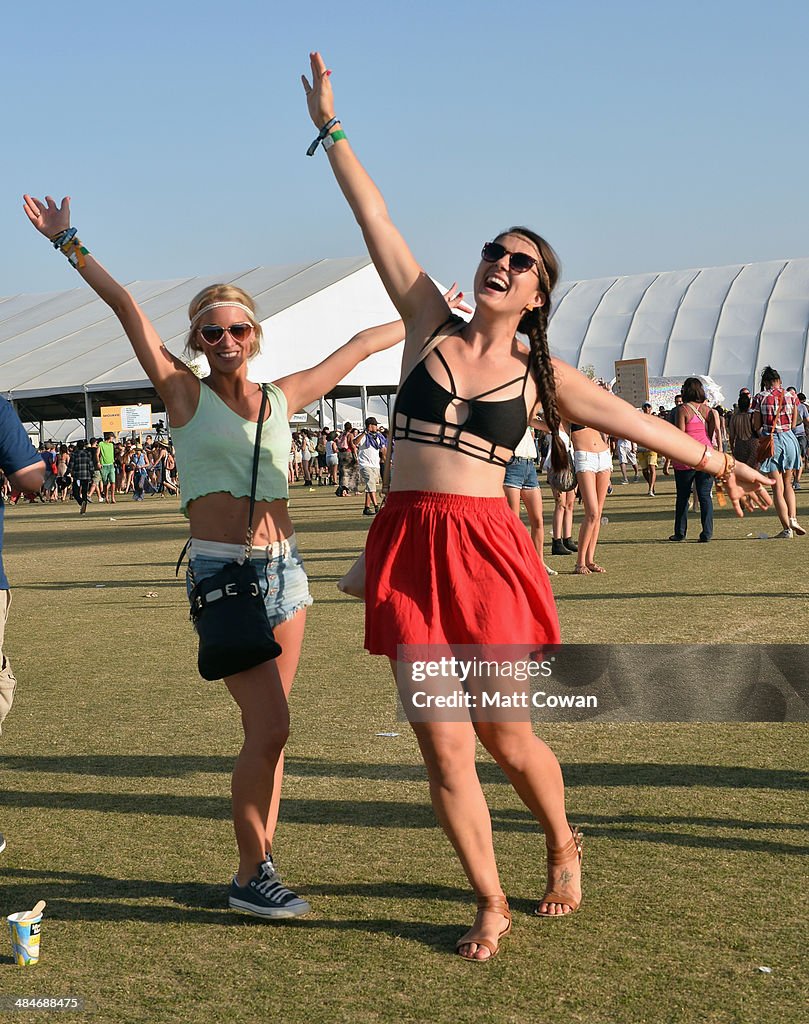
x=559 y=854
x=497 y=903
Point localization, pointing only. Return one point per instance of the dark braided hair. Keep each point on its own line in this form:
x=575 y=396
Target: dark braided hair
x=534 y=324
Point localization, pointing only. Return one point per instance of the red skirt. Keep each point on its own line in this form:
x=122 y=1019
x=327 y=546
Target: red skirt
x=453 y=569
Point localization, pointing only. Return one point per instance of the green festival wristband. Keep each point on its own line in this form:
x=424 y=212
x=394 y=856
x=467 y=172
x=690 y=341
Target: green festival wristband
x=330 y=140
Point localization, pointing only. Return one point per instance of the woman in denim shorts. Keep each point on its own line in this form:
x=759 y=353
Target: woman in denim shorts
x=521 y=484
x=213 y=429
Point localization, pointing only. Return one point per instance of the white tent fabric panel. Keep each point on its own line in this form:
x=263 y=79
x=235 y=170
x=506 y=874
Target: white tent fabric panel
x=784 y=333
x=612 y=318
x=653 y=322
x=735 y=356
x=300 y=336
x=571 y=318
x=691 y=341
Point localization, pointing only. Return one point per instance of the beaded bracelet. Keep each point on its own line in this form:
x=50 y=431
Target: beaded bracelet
x=321 y=135
x=68 y=243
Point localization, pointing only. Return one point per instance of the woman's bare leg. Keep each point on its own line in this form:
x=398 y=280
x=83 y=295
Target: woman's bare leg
x=533 y=770
x=448 y=751
x=532 y=499
x=588 y=531
x=289 y=635
x=265 y=720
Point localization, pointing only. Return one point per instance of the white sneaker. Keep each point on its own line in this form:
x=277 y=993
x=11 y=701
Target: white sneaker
x=783 y=535
x=797 y=528
x=549 y=571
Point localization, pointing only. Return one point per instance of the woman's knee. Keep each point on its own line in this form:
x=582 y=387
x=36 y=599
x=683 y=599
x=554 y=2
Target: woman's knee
x=448 y=754
x=266 y=739
x=508 y=748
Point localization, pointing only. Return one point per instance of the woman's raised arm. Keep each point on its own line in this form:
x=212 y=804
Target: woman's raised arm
x=412 y=292
x=172 y=379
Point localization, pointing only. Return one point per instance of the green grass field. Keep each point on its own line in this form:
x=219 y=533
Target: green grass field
x=115 y=799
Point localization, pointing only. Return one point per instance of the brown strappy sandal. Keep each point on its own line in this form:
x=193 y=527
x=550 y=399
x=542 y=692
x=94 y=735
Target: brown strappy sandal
x=594 y=567
x=556 y=857
x=499 y=904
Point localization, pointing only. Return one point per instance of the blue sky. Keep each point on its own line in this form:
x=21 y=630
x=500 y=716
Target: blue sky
x=634 y=136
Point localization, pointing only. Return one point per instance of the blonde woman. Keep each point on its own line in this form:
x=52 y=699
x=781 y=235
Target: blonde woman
x=213 y=430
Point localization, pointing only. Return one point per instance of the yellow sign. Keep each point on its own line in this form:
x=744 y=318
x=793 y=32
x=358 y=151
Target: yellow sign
x=111 y=419
x=116 y=418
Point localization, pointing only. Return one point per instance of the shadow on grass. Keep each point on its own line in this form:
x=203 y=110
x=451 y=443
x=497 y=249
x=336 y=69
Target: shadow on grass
x=649 y=596
x=596 y=774
x=81 y=897
x=118 y=584
x=391 y=814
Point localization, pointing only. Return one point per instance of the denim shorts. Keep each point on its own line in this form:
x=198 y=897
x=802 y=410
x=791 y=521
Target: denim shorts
x=786 y=453
x=522 y=474
x=279 y=567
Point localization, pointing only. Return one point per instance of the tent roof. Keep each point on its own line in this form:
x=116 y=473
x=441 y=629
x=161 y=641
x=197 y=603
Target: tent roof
x=724 y=322
x=57 y=346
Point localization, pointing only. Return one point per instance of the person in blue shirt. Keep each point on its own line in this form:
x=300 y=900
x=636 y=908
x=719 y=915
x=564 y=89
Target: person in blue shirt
x=26 y=471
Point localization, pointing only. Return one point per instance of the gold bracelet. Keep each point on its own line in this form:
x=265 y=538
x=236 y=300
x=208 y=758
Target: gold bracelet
x=730 y=465
x=703 y=462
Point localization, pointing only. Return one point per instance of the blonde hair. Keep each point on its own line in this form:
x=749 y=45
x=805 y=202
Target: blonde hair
x=222 y=293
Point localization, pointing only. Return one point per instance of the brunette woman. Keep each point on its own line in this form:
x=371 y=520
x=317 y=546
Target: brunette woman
x=592 y=460
x=447 y=561
x=775 y=414
x=697 y=419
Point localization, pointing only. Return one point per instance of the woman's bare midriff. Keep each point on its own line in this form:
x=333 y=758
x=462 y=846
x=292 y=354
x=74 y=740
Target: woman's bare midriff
x=221 y=517
x=430 y=467
x=588 y=440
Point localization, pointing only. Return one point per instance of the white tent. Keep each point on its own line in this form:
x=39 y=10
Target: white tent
x=64 y=354
x=724 y=322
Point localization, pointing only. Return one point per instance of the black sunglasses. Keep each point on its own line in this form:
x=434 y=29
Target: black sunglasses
x=519 y=262
x=213 y=333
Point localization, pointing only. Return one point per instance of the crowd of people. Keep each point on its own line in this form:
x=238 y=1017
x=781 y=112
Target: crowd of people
x=100 y=469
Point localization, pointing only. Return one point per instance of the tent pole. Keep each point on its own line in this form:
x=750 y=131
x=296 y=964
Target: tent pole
x=88 y=415
x=334 y=413
x=321 y=412
x=364 y=403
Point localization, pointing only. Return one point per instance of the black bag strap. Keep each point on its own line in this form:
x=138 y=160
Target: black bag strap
x=253 y=482
x=248 y=544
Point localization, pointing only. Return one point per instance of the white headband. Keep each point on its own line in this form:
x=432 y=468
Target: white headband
x=216 y=305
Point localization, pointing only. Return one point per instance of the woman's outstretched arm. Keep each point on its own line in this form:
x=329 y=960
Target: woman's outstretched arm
x=174 y=382
x=582 y=401
x=412 y=292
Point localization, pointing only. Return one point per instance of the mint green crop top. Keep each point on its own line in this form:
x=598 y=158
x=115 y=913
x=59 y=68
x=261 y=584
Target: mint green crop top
x=214 y=450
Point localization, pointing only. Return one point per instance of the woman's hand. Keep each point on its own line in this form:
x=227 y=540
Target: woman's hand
x=319 y=96
x=48 y=218
x=454 y=299
x=746 y=488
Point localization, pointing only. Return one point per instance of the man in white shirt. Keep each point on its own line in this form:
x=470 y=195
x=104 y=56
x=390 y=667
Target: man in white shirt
x=368 y=447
